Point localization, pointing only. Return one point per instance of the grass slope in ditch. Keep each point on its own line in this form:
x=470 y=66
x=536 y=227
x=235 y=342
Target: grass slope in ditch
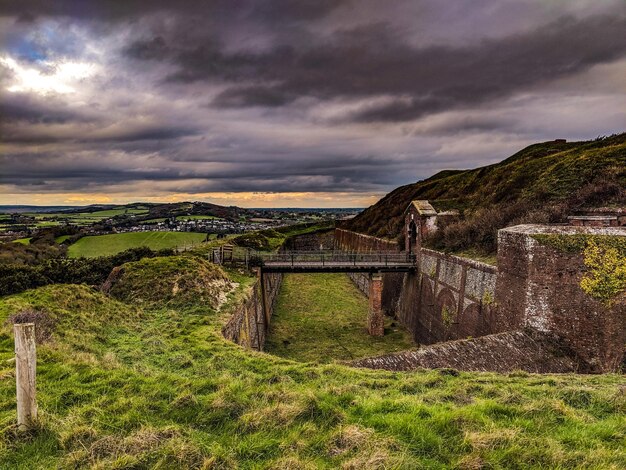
x=323 y=317
x=126 y=386
x=107 y=245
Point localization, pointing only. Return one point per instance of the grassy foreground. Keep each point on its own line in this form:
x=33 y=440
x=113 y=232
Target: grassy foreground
x=127 y=385
x=323 y=317
x=107 y=245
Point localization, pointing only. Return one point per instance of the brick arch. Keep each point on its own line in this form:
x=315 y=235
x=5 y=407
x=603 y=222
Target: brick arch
x=446 y=302
x=470 y=323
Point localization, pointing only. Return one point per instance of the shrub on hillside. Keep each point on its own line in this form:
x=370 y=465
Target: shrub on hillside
x=175 y=280
x=254 y=240
x=35 y=252
x=479 y=229
x=44 y=323
x=16 y=278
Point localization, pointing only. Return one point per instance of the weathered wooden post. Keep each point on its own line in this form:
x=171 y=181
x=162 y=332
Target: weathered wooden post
x=25 y=368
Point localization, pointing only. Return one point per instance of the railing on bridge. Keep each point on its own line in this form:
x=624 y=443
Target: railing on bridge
x=331 y=257
x=325 y=258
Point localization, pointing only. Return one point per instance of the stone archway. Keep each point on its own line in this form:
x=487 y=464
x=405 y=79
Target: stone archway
x=411 y=234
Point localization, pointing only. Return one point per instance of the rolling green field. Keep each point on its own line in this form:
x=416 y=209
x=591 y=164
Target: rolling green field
x=51 y=219
x=323 y=317
x=129 y=384
x=106 y=245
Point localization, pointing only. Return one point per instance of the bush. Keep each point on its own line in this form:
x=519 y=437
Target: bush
x=16 y=278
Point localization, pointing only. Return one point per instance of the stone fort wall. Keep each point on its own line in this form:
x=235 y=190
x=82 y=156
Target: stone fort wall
x=462 y=288
x=250 y=322
x=534 y=287
x=449 y=297
x=347 y=240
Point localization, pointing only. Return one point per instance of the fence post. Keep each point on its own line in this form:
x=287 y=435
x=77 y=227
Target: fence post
x=25 y=368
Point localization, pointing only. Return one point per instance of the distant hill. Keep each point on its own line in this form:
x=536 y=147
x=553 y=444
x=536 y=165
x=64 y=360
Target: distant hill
x=20 y=209
x=544 y=182
x=146 y=210
x=156 y=210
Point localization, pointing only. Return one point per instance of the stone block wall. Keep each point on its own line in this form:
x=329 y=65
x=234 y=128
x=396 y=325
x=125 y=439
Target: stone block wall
x=538 y=287
x=347 y=240
x=250 y=322
x=322 y=240
x=502 y=352
x=534 y=289
x=449 y=297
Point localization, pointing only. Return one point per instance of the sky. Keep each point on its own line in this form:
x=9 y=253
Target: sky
x=285 y=103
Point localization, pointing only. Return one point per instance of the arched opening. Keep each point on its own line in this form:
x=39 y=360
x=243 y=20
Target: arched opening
x=412 y=236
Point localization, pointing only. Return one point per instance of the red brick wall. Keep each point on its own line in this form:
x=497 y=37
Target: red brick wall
x=352 y=241
x=448 y=298
x=539 y=287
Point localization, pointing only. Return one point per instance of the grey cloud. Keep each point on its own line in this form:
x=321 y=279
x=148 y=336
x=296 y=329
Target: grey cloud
x=286 y=95
x=20 y=108
x=371 y=62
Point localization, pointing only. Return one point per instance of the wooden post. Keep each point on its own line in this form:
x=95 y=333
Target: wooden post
x=25 y=368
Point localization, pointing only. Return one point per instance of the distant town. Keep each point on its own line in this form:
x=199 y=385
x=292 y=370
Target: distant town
x=17 y=222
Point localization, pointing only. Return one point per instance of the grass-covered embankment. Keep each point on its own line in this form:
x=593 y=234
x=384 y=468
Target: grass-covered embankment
x=108 y=245
x=123 y=384
x=323 y=317
x=542 y=183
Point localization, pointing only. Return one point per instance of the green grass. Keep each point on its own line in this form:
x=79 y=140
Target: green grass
x=121 y=386
x=114 y=212
x=106 y=245
x=61 y=238
x=23 y=241
x=323 y=317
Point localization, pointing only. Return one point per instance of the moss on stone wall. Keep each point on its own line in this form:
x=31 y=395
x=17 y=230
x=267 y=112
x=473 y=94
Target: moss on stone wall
x=447 y=317
x=604 y=256
x=606 y=279
x=577 y=243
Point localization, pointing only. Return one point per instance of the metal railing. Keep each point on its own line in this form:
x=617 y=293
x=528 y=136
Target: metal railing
x=307 y=258
x=330 y=258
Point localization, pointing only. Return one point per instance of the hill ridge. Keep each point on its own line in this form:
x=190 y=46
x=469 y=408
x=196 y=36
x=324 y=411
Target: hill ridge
x=544 y=182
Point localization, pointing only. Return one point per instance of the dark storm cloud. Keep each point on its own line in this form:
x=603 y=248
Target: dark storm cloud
x=253 y=96
x=298 y=95
x=108 y=137
x=34 y=170
x=115 y=10
x=371 y=61
x=16 y=108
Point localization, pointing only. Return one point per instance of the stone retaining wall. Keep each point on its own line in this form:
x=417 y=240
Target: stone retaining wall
x=503 y=352
x=347 y=240
x=249 y=324
x=449 y=297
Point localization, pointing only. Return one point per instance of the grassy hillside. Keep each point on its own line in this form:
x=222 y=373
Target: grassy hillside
x=542 y=183
x=323 y=317
x=122 y=384
x=107 y=245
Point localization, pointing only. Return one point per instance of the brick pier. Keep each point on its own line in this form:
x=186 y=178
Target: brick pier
x=375 y=320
